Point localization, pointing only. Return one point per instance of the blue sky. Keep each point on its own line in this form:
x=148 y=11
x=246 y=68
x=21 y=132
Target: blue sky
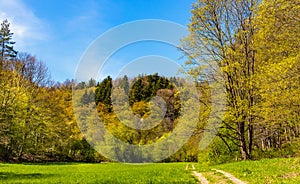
x=58 y=32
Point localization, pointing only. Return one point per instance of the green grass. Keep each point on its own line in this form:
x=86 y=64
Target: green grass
x=95 y=173
x=281 y=170
x=215 y=177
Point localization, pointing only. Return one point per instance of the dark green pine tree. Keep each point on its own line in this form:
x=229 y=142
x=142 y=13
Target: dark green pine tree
x=7 y=51
x=135 y=94
x=103 y=93
x=91 y=97
x=144 y=88
x=174 y=81
x=91 y=83
x=85 y=98
x=81 y=85
x=124 y=84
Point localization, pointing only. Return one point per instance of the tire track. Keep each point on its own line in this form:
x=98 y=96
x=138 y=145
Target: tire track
x=230 y=177
x=199 y=176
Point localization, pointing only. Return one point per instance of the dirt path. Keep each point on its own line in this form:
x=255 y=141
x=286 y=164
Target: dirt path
x=214 y=177
x=230 y=177
x=199 y=176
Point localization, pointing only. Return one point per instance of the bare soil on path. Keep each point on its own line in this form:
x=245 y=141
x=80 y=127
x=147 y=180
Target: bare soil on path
x=230 y=177
x=214 y=176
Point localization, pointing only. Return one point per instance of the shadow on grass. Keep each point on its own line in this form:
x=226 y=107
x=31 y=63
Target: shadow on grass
x=50 y=163
x=12 y=175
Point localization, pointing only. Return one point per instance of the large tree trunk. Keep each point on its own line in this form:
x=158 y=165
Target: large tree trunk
x=250 y=138
x=242 y=140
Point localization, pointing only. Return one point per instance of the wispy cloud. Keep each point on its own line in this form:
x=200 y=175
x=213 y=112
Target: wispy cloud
x=88 y=17
x=26 y=26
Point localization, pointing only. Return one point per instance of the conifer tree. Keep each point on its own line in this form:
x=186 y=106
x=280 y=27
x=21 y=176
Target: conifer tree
x=6 y=44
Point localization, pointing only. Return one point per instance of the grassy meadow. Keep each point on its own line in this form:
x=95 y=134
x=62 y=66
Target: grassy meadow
x=265 y=171
x=275 y=171
x=95 y=173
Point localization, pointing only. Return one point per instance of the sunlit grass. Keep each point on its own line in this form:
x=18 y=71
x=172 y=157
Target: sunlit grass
x=280 y=170
x=95 y=173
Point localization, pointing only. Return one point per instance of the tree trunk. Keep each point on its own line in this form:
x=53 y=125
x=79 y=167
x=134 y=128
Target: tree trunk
x=250 y=138
x=242 y=140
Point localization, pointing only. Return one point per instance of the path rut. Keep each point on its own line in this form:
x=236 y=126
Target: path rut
x=203 y=180
x=230 y=177
x=199 y=176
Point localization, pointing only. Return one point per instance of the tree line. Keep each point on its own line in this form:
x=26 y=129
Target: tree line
x=36 y=114
x=118 y=101
x=256 y=47
x=37 y=117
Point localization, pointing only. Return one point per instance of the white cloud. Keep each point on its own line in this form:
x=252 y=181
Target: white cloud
x=28 y=29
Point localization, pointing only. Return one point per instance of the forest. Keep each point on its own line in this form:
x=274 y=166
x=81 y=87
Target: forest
x=254 y=44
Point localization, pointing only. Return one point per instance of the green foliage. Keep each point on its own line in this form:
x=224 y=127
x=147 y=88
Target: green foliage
x=141 y=92
x=103 y=92
x=218 y=152
x=87 y=98
x=124 y=84
x=145 y=88
x=221 y=37
x=7 y=51
x=81 y=85
x=278 y=75
x=255 y=45
x=36 y=118
x=286 y=150
x=91 y=83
